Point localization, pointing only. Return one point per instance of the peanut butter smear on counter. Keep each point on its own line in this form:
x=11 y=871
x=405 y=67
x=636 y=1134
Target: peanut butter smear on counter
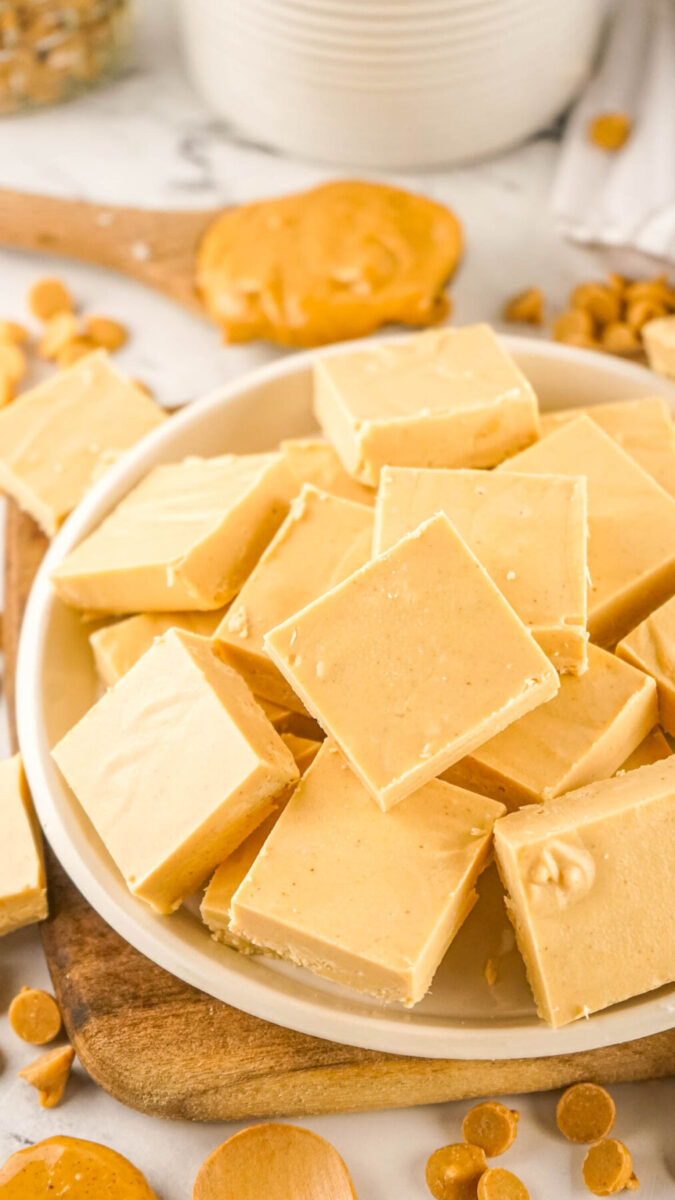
x=65 y=1166
x=332 y=263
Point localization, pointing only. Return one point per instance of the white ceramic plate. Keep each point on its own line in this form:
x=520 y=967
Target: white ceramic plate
x=462 y=1017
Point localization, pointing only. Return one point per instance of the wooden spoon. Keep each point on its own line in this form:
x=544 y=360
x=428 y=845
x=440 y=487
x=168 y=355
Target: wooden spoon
x=154 y=247
x=274 y=1162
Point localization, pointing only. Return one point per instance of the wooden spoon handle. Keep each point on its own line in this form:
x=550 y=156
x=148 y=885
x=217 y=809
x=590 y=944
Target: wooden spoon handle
x=156 y=248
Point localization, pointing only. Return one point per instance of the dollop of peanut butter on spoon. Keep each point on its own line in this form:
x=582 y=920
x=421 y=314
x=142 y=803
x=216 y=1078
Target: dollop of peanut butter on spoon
x=277 y=1162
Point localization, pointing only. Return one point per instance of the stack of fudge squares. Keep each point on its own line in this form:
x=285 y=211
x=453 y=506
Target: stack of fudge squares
x=344 y=676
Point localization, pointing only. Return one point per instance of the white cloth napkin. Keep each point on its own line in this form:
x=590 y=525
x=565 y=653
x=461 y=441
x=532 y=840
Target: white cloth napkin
x=625 y=199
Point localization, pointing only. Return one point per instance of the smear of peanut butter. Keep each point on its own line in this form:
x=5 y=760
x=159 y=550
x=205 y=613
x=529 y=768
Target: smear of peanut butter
x=332 y=263
x=64 y=1166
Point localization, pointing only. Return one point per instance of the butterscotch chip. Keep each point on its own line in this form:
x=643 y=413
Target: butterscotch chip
x=618 y=338
x=492 y=1126
x=59 y=330
x=331 y=263
x=608 y=1168
x=12 y=362
x=491 y=971
x=641 y=311
x=11 y=331
x=585 y=1113
x=617 y=283
x=574 y=324
x=526 y=307
x=498 y=1184
x=105 y=332
x=657 y=290
x=453 y=1172
x=610 y=130
x=75 y=349
x=34 y=1016
x=48 y=297
x=49 y=1074
x=603 y=303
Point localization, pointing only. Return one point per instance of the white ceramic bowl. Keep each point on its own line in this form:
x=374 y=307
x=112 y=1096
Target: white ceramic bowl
x=390 y=85
x=462 y=1017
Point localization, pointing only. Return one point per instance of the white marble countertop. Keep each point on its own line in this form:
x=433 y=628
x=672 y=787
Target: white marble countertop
x=148 y=140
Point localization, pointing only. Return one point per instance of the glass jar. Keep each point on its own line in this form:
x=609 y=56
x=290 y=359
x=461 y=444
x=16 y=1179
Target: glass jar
x=51 y=50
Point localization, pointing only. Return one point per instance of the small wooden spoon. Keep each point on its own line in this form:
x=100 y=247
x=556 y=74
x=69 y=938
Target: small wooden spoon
x=274 y=1162
x=154 y=247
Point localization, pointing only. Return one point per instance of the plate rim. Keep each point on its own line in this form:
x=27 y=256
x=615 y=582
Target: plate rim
x=319 y=1014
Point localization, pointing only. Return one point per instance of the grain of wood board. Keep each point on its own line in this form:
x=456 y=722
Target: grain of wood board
x=165 y=1048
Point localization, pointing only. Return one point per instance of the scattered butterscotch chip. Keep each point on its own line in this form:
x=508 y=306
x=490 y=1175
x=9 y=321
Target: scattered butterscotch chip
x=492 y=1126
x=608 y=1168
x=526 y=307
x=610 y=130
x=638 y=312
x=59 y=330
x=64 y=1166
x=601 y=302
x=657 y=290
x=616 y=282
x=12 y=362
x=49 y=1074
x=48 y=297
x=105 y=332
x=34 y=1016
x=11 y=331
x=453 y=1171
x=498 y=1184
x=576 y=323
x=75 y=349
x=618 y=338
x=585 y=1113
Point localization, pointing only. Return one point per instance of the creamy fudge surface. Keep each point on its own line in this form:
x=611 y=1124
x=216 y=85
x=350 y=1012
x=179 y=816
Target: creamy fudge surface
x=651 y=647
x=322 y=541
x=369 y=899
x=58 y=437
x=445 y=398
x=631 y=521
x=589 y=878
x=413 y=661
x=583 y=734
x=317 y=462
x=185 y=538
x=186 y=765
x=528 y=531
x=643 y=428
x=23 y=887
x=118 y=646
x=659 y=342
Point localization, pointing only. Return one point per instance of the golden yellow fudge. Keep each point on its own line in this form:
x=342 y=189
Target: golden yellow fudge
x=118 y=646
x=447 y=398
x=658 y=337
x=590 y=891
x=184 y=538
x=317 y=462
x=285 y=721
x=215 y=906
x=54 y=439
x=651 y=647
x=23 y=889
x=528 y=531
x=643 y=428
x=631 y=522
x=368 y=899
x=322 y=541
x=585 y=733
x=175 y=766
x=413 y=661
x=653 y=749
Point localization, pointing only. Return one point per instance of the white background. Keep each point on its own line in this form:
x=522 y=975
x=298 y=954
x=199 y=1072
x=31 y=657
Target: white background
x=148 y=141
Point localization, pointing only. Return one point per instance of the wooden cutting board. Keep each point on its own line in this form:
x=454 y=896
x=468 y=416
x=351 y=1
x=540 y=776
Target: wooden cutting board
x=164 y=1048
